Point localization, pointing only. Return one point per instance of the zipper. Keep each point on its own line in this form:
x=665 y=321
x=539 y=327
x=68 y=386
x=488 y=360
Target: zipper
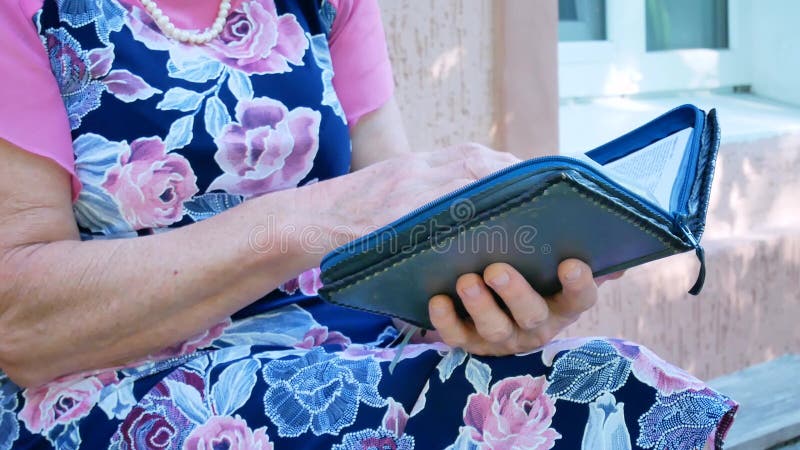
x=568 y=163
x=707 y=175
x=355 y=276
x=683 y=198
x=701 y=255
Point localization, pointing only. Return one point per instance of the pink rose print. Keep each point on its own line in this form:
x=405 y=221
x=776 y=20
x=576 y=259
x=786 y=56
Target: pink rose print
x=270 y=148
x=319 y=335
x=255 y=39
x=157 y=422
x=516 y=414
x=151 y=185
x=62 y=401
x=309 y=283
x=145 y=429
x=202 y=340
x=228 y=433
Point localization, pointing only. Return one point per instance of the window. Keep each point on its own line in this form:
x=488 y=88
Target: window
x=582 y=20
x=619 y=47
x=681 y=24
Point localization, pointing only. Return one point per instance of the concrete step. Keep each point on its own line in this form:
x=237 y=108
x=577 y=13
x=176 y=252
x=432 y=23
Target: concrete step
x=746 y=314
x=769 y=398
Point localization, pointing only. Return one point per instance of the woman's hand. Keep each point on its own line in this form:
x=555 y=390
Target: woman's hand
x=372 y=197
x=533 y=320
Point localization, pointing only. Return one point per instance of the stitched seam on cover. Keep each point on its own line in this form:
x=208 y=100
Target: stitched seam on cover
x=632 y=210
x=508 y=207
x=398 y=258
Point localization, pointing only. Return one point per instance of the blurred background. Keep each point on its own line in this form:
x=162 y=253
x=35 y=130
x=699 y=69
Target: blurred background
x=538 y=77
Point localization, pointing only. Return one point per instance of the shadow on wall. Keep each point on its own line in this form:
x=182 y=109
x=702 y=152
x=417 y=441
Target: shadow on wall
x=443 y=68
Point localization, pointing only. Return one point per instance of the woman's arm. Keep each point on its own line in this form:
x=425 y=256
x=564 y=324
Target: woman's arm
x=69 y=306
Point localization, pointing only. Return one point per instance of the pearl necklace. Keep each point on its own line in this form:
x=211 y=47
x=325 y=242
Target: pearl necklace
x=188 y=36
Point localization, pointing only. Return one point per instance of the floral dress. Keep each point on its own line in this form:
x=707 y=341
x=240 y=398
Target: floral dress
x=162 y=135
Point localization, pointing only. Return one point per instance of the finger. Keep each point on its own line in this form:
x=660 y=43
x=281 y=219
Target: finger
x=491 y=322
x=452 y=329
x=579 y=292
x=527 y=307
x=611 y=276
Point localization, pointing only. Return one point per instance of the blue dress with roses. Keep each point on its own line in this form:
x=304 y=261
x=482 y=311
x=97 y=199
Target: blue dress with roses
x=165 y=135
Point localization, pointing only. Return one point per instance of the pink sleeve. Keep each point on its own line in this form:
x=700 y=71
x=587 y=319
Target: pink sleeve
x=32 y=114
x=362 y=71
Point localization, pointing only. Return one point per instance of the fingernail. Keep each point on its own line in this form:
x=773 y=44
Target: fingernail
x=437 y=310
x=500 y=280
x=573 y=273
x=471 y=291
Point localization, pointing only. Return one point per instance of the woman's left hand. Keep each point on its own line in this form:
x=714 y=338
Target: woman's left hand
x=533 y=320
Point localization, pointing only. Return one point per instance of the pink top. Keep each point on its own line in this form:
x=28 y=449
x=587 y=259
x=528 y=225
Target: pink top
x=33 y=116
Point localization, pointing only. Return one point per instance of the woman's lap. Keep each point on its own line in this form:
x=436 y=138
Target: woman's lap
x=342 y=395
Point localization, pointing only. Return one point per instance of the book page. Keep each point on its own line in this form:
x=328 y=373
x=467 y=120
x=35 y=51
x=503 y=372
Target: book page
x=651 y=171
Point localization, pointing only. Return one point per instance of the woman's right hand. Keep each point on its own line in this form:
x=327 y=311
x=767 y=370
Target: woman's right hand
x=383 y=192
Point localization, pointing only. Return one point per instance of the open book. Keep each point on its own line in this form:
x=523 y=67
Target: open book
x=641 y=197
x=652 y=171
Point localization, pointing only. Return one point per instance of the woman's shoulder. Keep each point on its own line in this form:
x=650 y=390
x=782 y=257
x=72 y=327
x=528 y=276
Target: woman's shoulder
x=30 y=96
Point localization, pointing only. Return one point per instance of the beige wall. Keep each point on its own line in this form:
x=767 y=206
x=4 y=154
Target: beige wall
x=476 y=70
x=442 y=56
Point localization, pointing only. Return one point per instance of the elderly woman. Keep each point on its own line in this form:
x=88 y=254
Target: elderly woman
x=168 y=167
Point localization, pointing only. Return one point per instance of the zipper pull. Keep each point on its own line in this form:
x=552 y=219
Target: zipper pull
x=701 y=277
x=701 y=255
